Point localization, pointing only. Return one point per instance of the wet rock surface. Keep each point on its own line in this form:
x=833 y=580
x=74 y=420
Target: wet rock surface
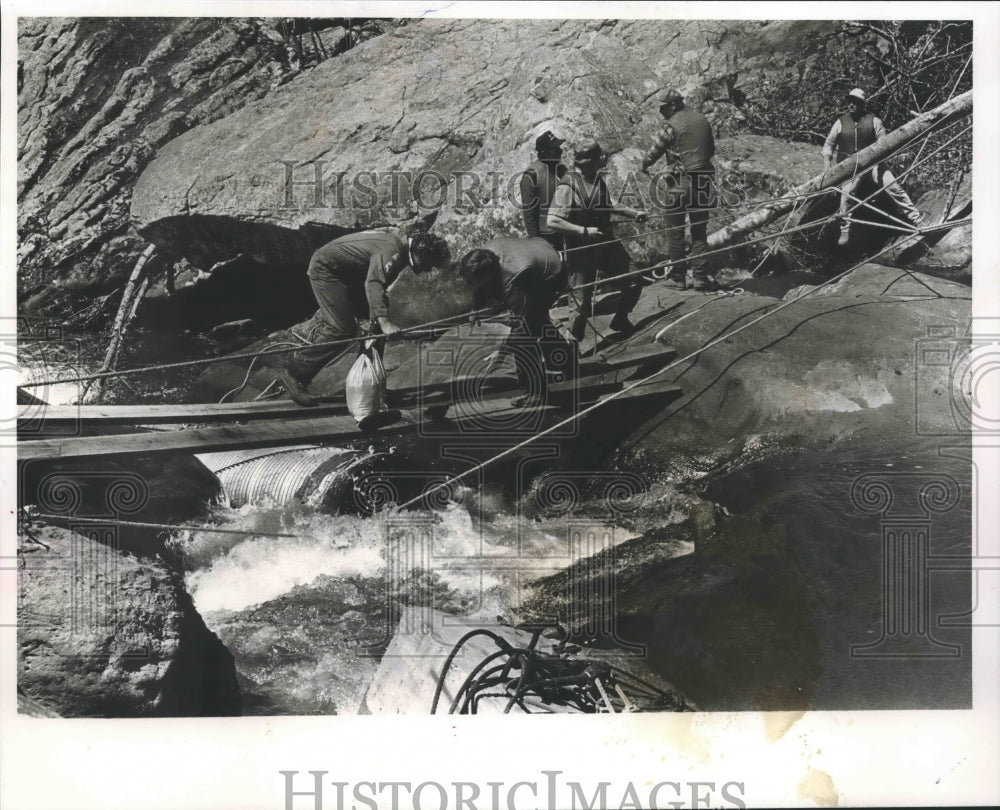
x=102 y=633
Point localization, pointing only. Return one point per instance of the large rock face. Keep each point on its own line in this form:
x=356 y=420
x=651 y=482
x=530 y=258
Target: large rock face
x=781 y=606
x=823 y=371
x=105 y=634
x=96 y=99
x=434 y=98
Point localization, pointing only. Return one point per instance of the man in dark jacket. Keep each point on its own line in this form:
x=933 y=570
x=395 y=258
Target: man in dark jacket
x=538 y=184
x=852 y=132
x=688 y=143
x=527 y=276
x=350 y=277
x=581 y=213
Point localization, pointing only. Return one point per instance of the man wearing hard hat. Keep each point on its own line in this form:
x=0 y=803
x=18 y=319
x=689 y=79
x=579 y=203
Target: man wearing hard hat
x=852 y=132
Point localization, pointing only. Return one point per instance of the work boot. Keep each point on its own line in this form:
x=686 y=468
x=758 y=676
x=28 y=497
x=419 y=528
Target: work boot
x=674 y=283
x=845 y=235
x=705 y=284
x=529 y=400
x=297 y=390
x=622 y=325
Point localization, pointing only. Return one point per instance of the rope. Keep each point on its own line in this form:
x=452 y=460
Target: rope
x=717 y=297
x=787 y=231
x=604 y=401
x=143 y=525
x=253 y=362
x=244 y=356
x=349 y=341
x=749 y=205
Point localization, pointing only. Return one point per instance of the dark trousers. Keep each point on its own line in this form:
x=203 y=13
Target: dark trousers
x=532 y=331
x=340 y=305
x=610 y=259
x=553 y=238
x=692 y=197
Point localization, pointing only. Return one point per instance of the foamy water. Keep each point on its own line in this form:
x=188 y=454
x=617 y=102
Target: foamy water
x=475 y=558
x=33 y=366
x=234 y=572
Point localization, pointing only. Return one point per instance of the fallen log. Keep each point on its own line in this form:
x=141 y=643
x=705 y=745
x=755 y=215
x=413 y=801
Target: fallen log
x=148 y=263
x=951 y=110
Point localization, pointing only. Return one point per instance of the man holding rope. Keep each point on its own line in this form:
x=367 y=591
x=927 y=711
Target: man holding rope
x=852 y=132
x=581 y=213
x=350 y=277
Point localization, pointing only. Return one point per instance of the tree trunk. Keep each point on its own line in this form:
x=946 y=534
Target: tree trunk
x=136 y=287
x=951 y=110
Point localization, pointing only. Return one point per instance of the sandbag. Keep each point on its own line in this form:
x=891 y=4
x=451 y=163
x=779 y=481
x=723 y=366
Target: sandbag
x=366 y=383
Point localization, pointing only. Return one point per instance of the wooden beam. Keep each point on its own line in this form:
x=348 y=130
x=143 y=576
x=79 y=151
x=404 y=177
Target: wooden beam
x=36 y=417
x=170 y=414
x=330 y=430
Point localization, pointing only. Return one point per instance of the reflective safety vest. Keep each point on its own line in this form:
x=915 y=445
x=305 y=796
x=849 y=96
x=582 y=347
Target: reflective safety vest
x=854 y=135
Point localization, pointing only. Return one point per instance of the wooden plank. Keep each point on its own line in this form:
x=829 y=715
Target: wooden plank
x=203 y=440
x=329 y=430
x=36 y=418
x=171 y=414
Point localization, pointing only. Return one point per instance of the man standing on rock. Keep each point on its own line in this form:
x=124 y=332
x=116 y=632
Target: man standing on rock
x=527 y=275
x=688 y=143
x=350 y=277
x=538 y=184
x=581 y=213
x=852 y=132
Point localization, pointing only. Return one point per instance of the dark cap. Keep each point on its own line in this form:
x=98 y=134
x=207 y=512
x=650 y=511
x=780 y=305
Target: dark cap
x=548 y=140
x=588 y=151
x=667 y=96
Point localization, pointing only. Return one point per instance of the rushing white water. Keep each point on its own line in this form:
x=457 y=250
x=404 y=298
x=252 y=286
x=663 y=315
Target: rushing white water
x=472 y=557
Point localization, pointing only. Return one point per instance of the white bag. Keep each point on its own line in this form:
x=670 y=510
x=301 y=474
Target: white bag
x=366 y=384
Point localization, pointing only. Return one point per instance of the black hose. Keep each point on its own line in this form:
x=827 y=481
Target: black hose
x=500 y=641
